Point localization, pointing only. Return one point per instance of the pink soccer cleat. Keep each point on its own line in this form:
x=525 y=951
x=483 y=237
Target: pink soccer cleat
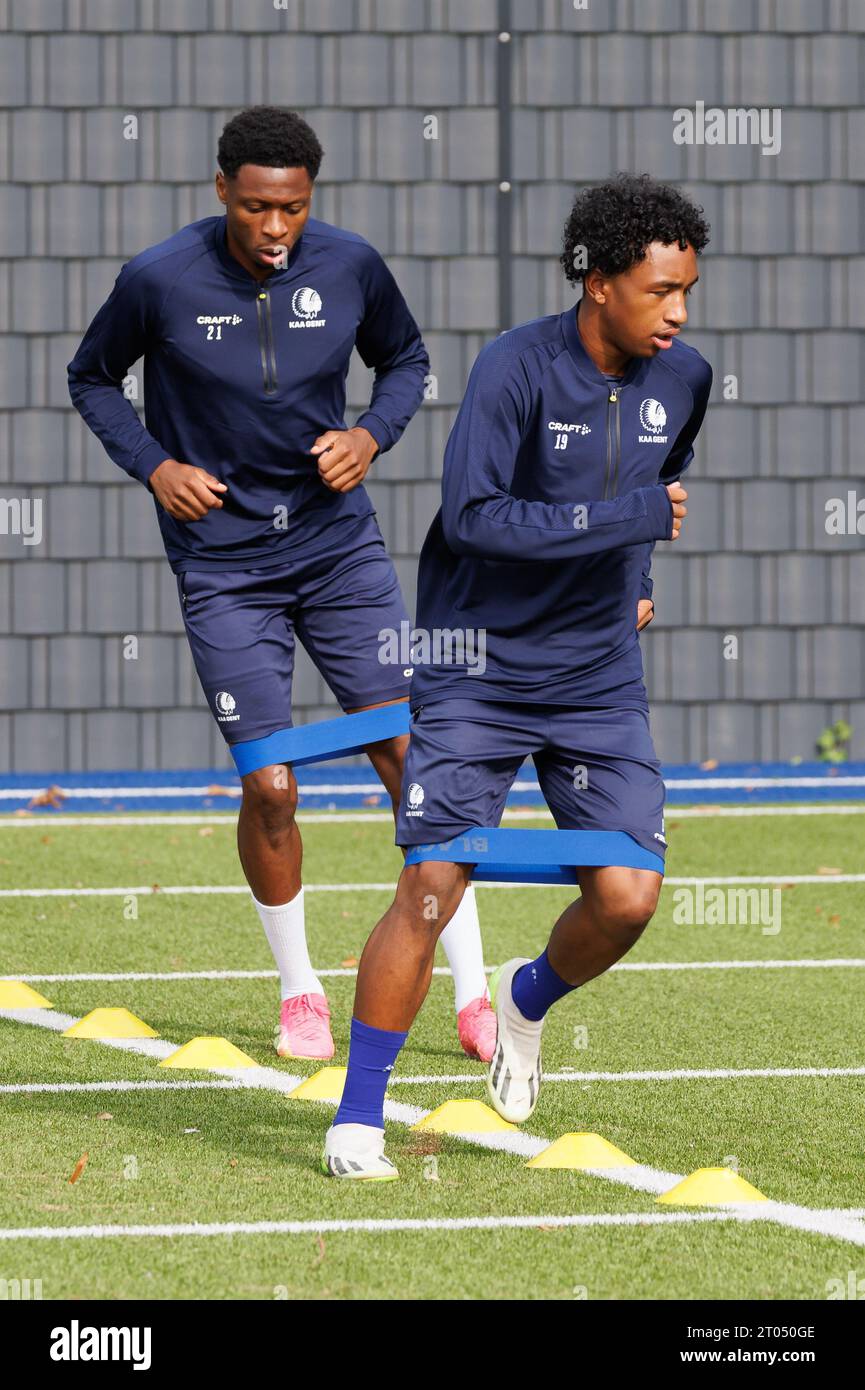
x=304 y=1028
x=476 y=1024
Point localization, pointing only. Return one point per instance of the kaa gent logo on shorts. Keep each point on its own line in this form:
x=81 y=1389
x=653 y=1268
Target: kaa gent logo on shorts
x=225 y=705
x=306 y=307
x=653 y=417
x=415 y=799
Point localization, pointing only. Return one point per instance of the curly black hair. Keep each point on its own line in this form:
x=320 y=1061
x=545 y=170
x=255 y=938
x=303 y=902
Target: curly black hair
x=269 y=135
x=616 y=222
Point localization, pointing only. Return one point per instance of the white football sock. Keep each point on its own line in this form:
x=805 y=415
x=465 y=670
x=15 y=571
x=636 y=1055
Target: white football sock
x=286 y=931
x=461 y=942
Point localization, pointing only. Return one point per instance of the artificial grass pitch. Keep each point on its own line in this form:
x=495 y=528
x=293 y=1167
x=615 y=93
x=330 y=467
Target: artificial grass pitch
x=175 y=1156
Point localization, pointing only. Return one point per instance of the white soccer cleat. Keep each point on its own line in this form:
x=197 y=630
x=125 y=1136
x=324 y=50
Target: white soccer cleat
x=514 y=1076
x=357 y=1151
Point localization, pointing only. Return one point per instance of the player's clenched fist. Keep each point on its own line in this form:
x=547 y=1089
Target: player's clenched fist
x=677 y=496
x=186 y=492
x=344 y=457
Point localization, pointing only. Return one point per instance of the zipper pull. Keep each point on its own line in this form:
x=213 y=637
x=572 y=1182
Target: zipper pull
x=613 y=397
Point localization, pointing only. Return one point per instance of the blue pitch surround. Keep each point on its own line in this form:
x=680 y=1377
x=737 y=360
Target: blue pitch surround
x=331 y=738
x=340 y=787
x=536 y=856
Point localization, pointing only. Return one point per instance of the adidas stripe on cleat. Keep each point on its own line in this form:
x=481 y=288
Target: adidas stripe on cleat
x=356 y=1152
x=514 y=1076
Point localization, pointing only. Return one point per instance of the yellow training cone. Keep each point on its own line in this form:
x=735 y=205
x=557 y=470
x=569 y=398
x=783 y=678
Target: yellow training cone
x=110 y=1023
x=326 y=1084
x=581 y=1151
x=712 y=1187
x=463 y=1117
x=14 y=994
x=208 y=1054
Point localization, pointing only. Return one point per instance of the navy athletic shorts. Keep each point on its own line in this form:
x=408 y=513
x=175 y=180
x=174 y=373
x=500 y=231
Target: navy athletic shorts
x=241 y=626
x=596 y=768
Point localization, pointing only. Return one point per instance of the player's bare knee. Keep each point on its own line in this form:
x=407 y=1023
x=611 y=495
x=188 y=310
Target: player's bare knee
x=624 y=908
x=270 y=798
x=430 y=893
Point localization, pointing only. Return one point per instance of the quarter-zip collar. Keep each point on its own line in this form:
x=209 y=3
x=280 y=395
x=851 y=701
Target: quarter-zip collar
x=237 y=271
x=635 y=370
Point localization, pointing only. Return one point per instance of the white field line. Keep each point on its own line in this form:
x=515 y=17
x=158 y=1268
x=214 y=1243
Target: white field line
x=683 y=1074
x=347 y=971
x=376 y=789
x=207 y=889
x=640 y=1177
x=384 y=1225
x=34 y=1087
x=228 y=818
x=457 y=1079
x=380 y=1226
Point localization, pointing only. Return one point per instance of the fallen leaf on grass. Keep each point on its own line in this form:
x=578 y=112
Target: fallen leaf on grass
x=321 y=1252
x=105 y=1115
x=79 y=1168
x=349 y=960
x=232 y=1163
x=824 y=870
x=205 y=830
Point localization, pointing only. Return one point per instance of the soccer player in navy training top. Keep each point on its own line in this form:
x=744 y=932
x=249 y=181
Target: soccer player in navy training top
x=247 y=323
x=560 y=474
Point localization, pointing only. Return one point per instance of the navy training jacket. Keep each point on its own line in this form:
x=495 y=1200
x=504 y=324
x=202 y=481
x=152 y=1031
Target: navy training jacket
x=553 y=495
x=240 y=378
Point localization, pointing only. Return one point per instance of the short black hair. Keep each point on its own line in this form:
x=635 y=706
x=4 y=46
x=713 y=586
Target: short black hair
x=617 y=221
x=269 y=135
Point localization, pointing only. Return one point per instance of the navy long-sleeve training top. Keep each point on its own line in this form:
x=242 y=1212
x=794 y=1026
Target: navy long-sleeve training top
x=240 y=378
x=553 y=494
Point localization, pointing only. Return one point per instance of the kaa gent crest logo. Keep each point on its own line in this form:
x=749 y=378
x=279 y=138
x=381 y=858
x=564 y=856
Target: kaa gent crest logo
x=225 y=705
x=306 y=306
x=653 y=418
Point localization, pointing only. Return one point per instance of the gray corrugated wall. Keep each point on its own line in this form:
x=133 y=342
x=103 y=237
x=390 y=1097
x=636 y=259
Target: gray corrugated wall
x=781 y=306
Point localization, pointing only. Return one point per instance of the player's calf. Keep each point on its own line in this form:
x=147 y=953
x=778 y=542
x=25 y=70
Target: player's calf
x=270 y=849
x=392 y=982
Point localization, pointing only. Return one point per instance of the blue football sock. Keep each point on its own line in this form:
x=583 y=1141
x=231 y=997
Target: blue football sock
x=536 y=986
x=371 y=1057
